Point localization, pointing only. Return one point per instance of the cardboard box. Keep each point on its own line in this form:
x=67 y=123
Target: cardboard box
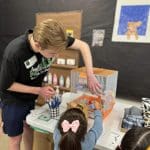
x=43 y=141
x=71 y=20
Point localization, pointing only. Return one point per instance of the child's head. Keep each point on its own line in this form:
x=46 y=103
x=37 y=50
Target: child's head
x=50 y=34
x=136 y=139
x=73 y=127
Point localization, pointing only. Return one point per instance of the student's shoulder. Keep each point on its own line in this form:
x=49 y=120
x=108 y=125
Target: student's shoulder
x=14 y=46
x=16 y=42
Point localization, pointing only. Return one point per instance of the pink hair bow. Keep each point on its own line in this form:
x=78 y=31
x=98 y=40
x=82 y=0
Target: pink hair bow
x=73 y=126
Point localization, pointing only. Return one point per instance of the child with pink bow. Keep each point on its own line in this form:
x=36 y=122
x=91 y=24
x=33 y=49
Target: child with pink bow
x=71 y=130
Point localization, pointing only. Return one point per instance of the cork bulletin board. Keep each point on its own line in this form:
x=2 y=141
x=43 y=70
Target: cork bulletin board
x=71 y=20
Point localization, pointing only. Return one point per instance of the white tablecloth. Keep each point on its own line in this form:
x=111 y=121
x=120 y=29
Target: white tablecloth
x=111 y=135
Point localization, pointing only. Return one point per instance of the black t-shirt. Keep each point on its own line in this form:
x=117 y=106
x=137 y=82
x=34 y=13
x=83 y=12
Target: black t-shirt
x=21 y=64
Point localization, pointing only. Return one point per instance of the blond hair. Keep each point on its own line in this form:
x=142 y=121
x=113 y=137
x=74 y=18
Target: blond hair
x=50 y=33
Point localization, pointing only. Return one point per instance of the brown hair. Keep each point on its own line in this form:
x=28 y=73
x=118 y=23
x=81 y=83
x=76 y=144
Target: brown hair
x=70 y=140
x=50 y=33
x=137 y=138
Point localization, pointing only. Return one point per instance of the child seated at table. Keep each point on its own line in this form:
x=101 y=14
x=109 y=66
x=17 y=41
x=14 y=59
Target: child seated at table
x=137 y=138
x=71 y=130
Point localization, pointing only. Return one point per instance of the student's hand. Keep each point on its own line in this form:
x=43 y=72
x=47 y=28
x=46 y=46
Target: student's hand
x=93 y=85
x=97 y=105
x=46 y=92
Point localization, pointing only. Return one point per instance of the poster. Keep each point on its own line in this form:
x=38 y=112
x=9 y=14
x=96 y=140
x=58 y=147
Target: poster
x=98 y=37
x=132 y=21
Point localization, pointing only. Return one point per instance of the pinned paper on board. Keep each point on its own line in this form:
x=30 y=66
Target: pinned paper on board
x=70 y=32
x=98 y=37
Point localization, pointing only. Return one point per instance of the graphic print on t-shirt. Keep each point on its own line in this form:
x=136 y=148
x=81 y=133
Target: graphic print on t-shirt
x=40 y=68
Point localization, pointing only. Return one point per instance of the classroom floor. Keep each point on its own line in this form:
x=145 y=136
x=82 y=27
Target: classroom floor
x=4 y=139
x=4 y=142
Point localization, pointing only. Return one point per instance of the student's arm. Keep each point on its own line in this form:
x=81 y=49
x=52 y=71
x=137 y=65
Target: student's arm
x=56 y=138
x=93 y=84
x=45 y=91
x=95 y=132
x=98 y=124
x=97 y=128
x=8 y=75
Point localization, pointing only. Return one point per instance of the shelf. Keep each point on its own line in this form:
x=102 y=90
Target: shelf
x=64 y=66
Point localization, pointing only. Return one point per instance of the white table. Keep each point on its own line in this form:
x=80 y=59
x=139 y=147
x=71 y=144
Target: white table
x=111 y=135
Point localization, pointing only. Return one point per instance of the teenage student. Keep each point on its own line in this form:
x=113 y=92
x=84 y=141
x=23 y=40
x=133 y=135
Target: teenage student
x=25 y=62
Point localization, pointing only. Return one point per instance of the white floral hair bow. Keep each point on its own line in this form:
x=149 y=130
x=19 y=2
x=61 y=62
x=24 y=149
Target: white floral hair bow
x=73 y=126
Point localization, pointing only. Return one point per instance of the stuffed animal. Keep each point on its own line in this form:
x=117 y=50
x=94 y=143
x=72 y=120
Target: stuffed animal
x=79 y=105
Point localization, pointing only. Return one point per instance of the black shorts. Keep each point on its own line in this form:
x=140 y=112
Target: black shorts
x=13 y=116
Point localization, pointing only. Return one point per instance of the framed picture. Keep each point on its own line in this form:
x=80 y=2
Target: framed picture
x=132 y=21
